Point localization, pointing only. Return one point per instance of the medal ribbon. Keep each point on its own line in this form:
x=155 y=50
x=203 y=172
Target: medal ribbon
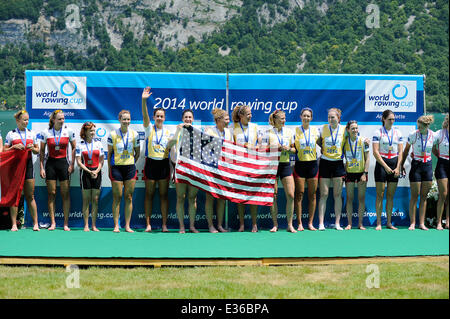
x=125 y=145
x=243 y=132
x=24 y=141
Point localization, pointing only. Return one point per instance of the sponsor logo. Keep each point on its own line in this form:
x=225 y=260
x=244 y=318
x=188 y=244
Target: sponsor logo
x=59 y=92
x=398 y=96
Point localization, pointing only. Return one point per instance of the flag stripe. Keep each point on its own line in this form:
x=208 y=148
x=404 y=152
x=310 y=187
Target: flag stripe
x=234 y=197
x=217 y=179
x=214 y=186
x=226 y=151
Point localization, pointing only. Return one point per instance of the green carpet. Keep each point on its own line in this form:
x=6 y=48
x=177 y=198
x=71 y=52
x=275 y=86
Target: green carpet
x=329 y=243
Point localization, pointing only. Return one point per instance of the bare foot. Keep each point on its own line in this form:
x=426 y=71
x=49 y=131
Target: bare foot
x=14 y=228
x=300 y=228
x=66 y=228
x=52 y=227
x=274 y=229
x=129 y=230
x=348 y=227
x=182 y=231
x=222 y=230
x=148 y=229
x=116 y=229
x=36 y=227
x=95 y=228
x=86 y=228
x=389 y=226
x=439 y=227
x=291 y=229
x=193 y=230
x=212 y=229
x=423 y=227
x=241 y=228
x=254 y=229
x=164 y=229
x=361 y=227
x=311 y=227
x=412 y=227
x=378 y=227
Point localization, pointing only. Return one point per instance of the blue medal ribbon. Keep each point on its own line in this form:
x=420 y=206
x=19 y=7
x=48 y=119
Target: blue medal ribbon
x=351 y=148
x=278 y=137
x=390 y=140
x=24 y=141
x=424 y=146
x=90 y=152
x=333 y=140
x=307 y=141
x=59 y=138
x=220 y=134
x=158 y=142
x=243 y=132
x=125 y=145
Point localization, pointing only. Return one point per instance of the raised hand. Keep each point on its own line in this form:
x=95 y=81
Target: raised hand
x=146 y=93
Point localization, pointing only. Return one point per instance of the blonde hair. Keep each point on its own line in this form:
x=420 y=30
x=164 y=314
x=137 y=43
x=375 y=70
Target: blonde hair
x=18 y=115
x=121 y=113
x=237 y=112
x=218 y=114
x=337 y=111
x=426 y=119
x=51 y=122
x=274 y=115
x=445 y=123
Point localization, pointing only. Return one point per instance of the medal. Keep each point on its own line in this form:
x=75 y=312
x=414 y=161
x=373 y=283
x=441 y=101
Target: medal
x=125 y=145
x=351 y=148
x=307 y=141
x=243 y=132
x=24 y=140
x=424 y=145
x=90 y=152
x=90 y=162
x=57 y=139
x=278 y=137
x=220 y=134
x=333 y=140
x=390 y=140
x=158 y=141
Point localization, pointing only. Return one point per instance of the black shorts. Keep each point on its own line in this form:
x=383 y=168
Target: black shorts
x=120 y=173
x=284 y=170
x=380 y=173
x=331 y=169
x=87 y=182
x=441 y=170
x=354 y=177
x=57 y=169
x=306 y=169
x=421 y=172
x=29 y=173
x=156 y=169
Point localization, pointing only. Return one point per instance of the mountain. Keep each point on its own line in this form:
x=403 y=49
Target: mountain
x=240 y=36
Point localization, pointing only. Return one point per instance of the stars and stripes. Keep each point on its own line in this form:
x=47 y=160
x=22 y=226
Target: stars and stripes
x=225 y=169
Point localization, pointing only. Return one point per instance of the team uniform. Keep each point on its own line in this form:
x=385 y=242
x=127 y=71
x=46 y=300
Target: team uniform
x=441 y=140
x=355 y=160
x=57 y=164
x=331 y=163
x=25 y=137
x=388 y=148
x=306 y=165
x=123 y=167
x=285 y=137
x=157 y=164
x=421 y=165
x=90 y=154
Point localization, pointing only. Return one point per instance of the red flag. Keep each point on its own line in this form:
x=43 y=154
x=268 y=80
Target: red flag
x=13 y=164
x=227 y=170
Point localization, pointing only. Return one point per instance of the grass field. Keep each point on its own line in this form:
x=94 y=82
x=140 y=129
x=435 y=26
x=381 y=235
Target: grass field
x=397 y=280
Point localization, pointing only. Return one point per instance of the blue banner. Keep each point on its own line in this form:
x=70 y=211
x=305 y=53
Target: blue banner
x=100 y=96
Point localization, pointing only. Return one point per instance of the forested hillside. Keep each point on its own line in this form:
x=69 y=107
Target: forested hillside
x=275 y=36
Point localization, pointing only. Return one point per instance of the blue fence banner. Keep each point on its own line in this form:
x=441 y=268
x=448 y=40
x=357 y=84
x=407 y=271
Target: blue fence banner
x=100 y=96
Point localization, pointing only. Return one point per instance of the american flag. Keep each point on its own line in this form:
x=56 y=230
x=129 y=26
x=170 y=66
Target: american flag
x=225 y=169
